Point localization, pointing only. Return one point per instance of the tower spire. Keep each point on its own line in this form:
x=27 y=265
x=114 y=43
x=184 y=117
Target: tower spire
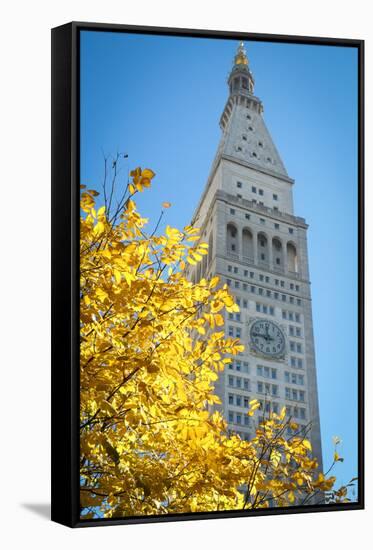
x=241 y=80
x=241 y=56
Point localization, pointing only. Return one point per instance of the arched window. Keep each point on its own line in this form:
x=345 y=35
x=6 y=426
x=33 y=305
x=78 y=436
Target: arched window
x=292 y=258
x=232 y=240
x=247 y=246
x=277 y=254
x=262 y=249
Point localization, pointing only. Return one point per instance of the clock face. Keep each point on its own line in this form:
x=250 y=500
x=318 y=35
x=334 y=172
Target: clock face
x=267 y=338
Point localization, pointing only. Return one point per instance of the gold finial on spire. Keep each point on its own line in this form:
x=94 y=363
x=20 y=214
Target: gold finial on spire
x=241 y=57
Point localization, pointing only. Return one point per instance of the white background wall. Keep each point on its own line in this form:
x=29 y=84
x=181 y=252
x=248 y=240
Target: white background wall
x=25 y=269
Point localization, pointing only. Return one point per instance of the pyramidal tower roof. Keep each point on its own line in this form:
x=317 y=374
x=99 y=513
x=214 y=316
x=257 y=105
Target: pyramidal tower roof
x=245 y=138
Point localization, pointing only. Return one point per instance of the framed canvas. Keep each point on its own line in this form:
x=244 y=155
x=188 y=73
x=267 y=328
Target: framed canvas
x=201 y=180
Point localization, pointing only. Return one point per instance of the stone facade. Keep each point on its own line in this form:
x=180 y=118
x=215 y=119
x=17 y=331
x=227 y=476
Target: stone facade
x=259 y=248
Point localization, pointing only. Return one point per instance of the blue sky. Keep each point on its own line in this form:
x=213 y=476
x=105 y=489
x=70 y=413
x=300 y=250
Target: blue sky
x=159 y=99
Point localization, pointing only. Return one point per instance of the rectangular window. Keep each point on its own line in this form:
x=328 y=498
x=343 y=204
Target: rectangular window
x=258 y=307
x=275 y=197
x=291 y=331
x=235 y=270
x=275 y=295
x=247 y=422
x=299 y=348
x=282 y=284
x=230 y=399
x=230 y=417
x=260 y=291
x=298 y=331
x=301 y=379
x=301 y=396
x=293 y=361
x=277 y=226
x=297 y=288
x=287 y=393
x=300 y=363
x=291 y=316
x=271 y=310
x=238 y=365
x=291 y=230
x=239 y=418
x=259 y=370
x=236 y=284
x=238 y=401
x=252 y=289
x=245 y=367
x=262 y=221
x=246 y=384
x=229 y=282
x=244 y=304
x=276 y=282
x=274 y=390
x=232 y=211
x=260 y=387
x=230 y=330
x=297 y=317
x=238 y=332
x=251 y=275
x=283 y=314
x=239 y=196
x=238 y=382
x=229 y=268
x=291 y=299
x=283 y=297
x=268 y=292
x=245 y=273
x=299 y=302
x=287 y=377
x=253 y=189
x=244 y=286
x=247 y=216
x=267 y=279
x=231 y=380
x=261 y=192
x=265 y=309
x=273 y=374
x=239 y=184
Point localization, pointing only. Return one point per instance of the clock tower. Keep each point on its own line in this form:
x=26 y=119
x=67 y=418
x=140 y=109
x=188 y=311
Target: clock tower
x=258 y=246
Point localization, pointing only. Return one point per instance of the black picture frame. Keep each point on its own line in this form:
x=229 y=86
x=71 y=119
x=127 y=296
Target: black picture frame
x=65 y=270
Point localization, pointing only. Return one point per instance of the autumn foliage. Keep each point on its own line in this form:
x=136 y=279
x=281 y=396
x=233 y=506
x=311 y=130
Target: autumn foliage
x=152 y=347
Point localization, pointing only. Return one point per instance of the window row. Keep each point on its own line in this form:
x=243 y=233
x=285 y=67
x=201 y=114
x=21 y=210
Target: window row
x=291 y=316
x=234 y=332
x=294 y=395
x=262 y=278
x=296 y=362
x=266 y=372
x=255 y=189
x=268 y=389
x=263 y=292
x=238 y=382
x=295 y=346
x=239 y=366
x=238 y=418
x=296 y=412
x=262 y=308
x=294 y=378
x=238 y=400
x=295 y=331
